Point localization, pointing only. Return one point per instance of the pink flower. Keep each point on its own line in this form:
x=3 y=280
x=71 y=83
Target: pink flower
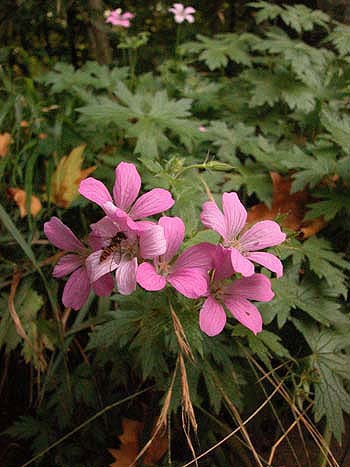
x=243 y=248
x=77 y=288
x=181 y=13
x=188 y=274
x=119 y=250
x=117 y=18
x=125 y=210
x=202 y=129
x=234 y=297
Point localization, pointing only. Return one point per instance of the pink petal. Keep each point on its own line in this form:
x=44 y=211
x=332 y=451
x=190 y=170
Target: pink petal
x=269 y=261
x=152 y=242
x=174 y=232
x=197 y=256
x=189 y=10
x=179 y=18
x=117 y=215
x=66 y=265
x=213 y=218
x=103 y=286
x=127 y=183
x=127 y=15
x=191 y=282
x=256 y=287
x=189 y=18
x=97 y=268
x=177 y=8
x=125 y=277
x=240 y=263
x=61 y=236
x=95 y=191
x=102 y=232
x=245 y=312
x=235 y=215
x=148 y=278
x=262 y=235
x=76 y=290
x=212 y=317
x=222 y=263
x=153 y=202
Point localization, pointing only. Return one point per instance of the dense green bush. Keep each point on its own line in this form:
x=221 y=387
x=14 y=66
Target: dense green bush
x=271 y=99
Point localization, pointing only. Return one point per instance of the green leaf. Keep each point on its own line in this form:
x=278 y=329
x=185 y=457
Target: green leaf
x=27 y=305
x=340 y=37
x=307 y=295
x=329 y=208
x=338 y=127
x=331 y=364
x=216 y=52
x=322 y=260
x=265 y=344
x=255 y=181
x=298 y=17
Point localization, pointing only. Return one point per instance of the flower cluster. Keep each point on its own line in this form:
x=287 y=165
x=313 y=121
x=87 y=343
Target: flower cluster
x=180 y=12
x=117 y=18
x=140 y=251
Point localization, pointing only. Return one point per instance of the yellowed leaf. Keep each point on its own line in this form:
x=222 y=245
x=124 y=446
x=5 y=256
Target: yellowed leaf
x=20 y=196
x=5 y=141
x=67 y=177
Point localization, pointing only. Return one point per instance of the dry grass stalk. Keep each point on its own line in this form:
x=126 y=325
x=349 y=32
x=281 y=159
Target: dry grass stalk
x=162 y=419
x=187 y=412
x=316 y=435
x=239 y=421
x=17 y=322
x=281 y=438
x=236 y=430
x=180 y=335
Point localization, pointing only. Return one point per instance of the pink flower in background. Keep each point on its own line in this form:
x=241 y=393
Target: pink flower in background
x=202 y=129
x=117 y=18
x=78 y=286
x=119 y=250
x=234 y=296
x=243 y=248
x=188 y=274
x=125 y=209
x=181 y=13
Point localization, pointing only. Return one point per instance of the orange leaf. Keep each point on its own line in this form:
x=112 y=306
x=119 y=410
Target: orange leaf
x=20 y=196
x=292 y=207
x=67 y=177
x=5 y=141
x=130 y=446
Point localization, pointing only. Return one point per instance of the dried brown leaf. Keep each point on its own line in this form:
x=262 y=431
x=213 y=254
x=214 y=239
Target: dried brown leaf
x=290 y=207
x=20 y=197
x=5 y=141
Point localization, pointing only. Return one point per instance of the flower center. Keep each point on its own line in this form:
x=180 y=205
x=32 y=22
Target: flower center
x=163 y=268
x=217 y=290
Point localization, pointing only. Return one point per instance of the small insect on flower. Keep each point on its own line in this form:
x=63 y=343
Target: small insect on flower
x=115 y=247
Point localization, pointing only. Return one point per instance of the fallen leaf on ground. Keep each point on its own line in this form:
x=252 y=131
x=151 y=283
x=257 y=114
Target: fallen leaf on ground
x=67 y=177
x=130 y=446
x=291 y=207
x=20 y=197
x=5 y=141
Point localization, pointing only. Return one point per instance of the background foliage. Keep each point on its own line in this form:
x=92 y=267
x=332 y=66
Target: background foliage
x=270 y=84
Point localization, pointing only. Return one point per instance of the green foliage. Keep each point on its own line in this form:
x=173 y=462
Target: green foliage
x=145 y=117
x=271 y=100
x=329 y=363
x=298 y=17
x=217 y=52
